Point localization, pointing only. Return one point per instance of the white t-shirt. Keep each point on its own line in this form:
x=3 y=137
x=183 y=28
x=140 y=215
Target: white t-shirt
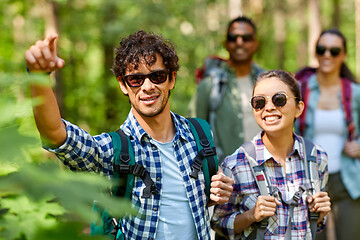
x=250 y=126
x=175 y=217
x=329 y=129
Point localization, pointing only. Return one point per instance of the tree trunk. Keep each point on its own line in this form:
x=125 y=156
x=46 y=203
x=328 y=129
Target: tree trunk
x=336 y=14
x=314 y=30
x=301 y=47
x=235 y=8
x=111 y=94
x=279 y=22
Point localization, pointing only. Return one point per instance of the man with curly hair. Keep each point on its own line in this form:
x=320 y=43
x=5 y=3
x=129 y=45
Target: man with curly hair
x=145 y=66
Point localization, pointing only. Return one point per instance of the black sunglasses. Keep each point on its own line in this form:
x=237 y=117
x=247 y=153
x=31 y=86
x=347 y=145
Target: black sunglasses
x=278 y=99
x=137 y=79
x=334 y=51
x=245 y=37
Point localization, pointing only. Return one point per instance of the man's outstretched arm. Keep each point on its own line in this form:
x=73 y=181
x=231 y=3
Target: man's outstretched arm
x=41 y=58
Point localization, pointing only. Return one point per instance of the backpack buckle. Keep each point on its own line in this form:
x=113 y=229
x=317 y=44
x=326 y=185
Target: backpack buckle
x=298 y=194
x=264 y=223
x=209 y=151
x=195 y=168
x=314 y=215
x=122 y=168
x=204 y=143
x=124 y=157
x=154 y=189
x=139 y=170
x=115 y=225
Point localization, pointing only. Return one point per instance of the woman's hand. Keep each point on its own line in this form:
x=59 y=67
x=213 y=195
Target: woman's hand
x=320 y=202
x=352 y=149
x=265 y=207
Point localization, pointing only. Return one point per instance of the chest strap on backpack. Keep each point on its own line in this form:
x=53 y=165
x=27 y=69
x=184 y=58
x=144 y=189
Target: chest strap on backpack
x=137 y=170
x=206 y=152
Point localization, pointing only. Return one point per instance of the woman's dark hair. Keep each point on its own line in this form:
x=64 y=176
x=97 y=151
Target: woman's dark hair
x=143 y=46
x=344 y=71
x=286 y=77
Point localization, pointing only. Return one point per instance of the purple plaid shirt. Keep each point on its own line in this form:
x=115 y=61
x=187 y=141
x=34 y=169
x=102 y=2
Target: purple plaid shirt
x=245 y=191
x=83 y=152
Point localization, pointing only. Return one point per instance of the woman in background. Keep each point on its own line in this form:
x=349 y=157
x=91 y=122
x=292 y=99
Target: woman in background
x=331 y=119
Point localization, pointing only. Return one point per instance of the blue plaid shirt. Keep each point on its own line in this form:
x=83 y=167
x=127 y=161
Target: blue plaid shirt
x=245 y=191
x=83 y=152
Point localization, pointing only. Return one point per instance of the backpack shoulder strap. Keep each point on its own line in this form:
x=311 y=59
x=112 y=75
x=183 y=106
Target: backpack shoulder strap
x=312 y=176
x=303 y=76
x=262 y=182
x=258 y=171
x=209 y=63
x=305 y=97
x=206 y=157
x=311 y=171
x=346 y=95
x=123 y=154
x=124 y=164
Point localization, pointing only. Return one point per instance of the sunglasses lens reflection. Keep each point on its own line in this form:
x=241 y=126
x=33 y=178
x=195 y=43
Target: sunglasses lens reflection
x=258 y=102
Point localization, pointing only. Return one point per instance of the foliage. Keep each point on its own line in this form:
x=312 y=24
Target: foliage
x=89 y=95
x=37 y=197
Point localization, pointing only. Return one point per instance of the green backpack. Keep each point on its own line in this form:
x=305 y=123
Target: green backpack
x=125 y=170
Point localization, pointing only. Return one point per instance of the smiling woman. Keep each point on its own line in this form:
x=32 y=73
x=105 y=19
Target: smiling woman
x=331 y=119
x=277 y=157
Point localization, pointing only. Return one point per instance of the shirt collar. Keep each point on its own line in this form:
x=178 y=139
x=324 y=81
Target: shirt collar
x=132 y=128
x=263 y=155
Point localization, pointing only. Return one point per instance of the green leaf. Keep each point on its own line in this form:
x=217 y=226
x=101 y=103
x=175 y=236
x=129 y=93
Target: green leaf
x=12 y=143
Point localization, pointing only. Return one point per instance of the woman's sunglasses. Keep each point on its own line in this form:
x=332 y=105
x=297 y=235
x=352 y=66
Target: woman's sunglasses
x=245 y=37
x=138 y=79
x=278 y=99
x=334 y=51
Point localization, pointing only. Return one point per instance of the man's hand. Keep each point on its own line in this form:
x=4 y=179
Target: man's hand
x=221 y=188
x=320 y=202
x=42 y=56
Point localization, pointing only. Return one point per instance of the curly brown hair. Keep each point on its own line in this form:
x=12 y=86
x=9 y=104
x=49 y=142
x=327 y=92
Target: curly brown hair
x=143 y=46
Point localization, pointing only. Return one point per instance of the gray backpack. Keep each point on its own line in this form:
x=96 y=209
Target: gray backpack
x=265 y=187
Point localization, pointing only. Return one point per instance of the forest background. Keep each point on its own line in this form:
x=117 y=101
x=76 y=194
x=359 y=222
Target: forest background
x=33 y=205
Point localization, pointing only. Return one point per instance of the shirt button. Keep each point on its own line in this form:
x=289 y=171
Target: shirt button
x=241 y=135
x=158 y=178
x=155 y=209
x=153 y=147
x=240 y=115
